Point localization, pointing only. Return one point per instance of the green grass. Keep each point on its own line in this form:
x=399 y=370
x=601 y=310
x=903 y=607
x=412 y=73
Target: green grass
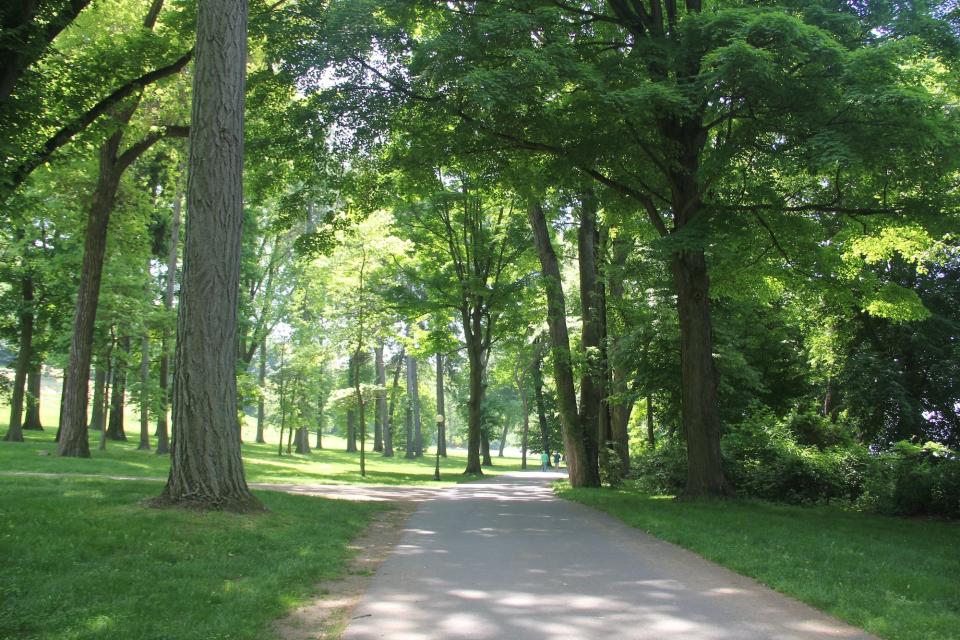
x=85 y=559
x=331 y=465
x=894 y=577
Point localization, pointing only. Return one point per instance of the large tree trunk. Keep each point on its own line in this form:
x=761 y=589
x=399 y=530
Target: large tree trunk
x=207 y=468
x=25 y=352
x=351 y=415
x=591 y=336
x=388 y=424
x=441 y=410
x=115 y=425
x=537 y=371
x=261 y=400
x=701 y=416
x=582 y=467
x=144 y=392
x=475 y=399
x=163 y=441
x=303 y=441
x=413 y=393
x=380 y=410
x=34 y=388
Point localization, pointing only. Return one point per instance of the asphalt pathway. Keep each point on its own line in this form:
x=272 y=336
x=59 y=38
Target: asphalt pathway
x=506 y=559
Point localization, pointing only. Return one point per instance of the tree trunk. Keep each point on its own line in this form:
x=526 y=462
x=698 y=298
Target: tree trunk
x=408 y=431
x=163 y=442
x=320 y=417
x=25 y=352
x=621 y=408
x=537 y=371
x=474 y=402
x=207 y=468
x=262 y=382
x=107 y=388
x=380 y=412
x=97 y=414
x=524 y=402
x=441 y=411
x=485 y=448
x=388 y=424
x=144 y=393
x=503 y=439
x=303 y=441
x=651 y=438
x=413 y=393
x=115 y=426
x=34 y=389
x=577 y=436
x=351 y=415
x=591 y=380
x=701 y=416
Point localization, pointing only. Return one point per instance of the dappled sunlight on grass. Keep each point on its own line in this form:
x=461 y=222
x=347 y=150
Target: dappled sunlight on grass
x=331 y=465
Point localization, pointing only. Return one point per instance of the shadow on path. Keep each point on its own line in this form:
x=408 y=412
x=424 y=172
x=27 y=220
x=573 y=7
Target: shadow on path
x=506 y=559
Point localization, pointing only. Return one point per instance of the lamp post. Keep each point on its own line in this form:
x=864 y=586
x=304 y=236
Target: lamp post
x=436 y=471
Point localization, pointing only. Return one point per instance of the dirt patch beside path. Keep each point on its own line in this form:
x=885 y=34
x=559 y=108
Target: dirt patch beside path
x=326 y=616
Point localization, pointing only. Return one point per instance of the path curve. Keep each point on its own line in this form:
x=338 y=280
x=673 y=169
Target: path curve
x=505 y=559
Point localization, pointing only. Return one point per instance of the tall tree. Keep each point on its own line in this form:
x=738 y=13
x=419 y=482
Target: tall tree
x=207 y=469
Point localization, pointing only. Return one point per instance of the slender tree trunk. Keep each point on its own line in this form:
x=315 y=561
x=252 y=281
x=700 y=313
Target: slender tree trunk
x=408 y=431
x=577 y=436
x=413 y=393
x=144 y=393
x=701 y=417
x=503 y=439
x=441 y=410
x=290 y=439
x=34 y=389
x=537 y=370
x=97 y=415
x=380 y=412
x=474 y=402
x=163 y=442
x=115 y=427
x=207 y=468
x=520 y=381
x=651 y=438
x=262 y=382
x=388 y=424
x=107 y=390
x=25 y=352
x=351 y=414
x=320 y=418
x=485 y=448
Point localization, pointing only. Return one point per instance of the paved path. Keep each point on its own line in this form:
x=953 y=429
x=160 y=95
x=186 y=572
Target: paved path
x=505 y=559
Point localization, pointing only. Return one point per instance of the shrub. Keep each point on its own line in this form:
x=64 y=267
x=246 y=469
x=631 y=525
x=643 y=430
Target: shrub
x=611 y=468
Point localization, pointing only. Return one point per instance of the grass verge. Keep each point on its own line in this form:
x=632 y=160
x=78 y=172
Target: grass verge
x=85 y=559
x=894 y=577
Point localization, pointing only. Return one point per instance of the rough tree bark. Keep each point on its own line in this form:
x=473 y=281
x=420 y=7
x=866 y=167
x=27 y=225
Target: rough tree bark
x=206 y=470
x=34 y=388
x=475 y=357
x=485 y=448
x=583 y=469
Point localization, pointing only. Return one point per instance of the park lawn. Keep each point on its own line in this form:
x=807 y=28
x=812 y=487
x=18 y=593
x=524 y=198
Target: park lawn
x=894 y=577
x=330 y=465
x=85 y=558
